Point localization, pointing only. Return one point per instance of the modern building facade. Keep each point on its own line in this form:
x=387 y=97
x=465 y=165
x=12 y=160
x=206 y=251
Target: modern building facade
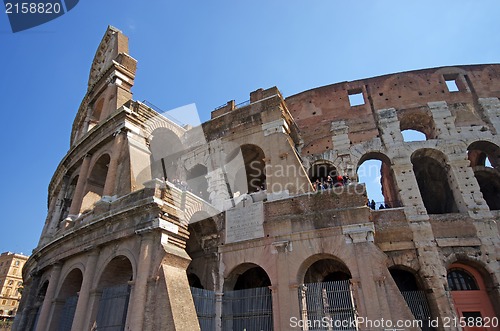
x=255 y=219
x=11 y=283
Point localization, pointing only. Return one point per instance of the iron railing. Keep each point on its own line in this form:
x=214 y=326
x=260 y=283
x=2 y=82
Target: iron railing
x=327 y=306
x=204 y=303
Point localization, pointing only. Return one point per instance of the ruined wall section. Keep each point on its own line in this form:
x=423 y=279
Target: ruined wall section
x=316 y=109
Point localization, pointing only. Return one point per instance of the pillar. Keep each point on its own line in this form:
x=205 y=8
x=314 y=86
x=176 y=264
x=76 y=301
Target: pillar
x=109 y=185
x=49 y=296
x=139 y=293
x=82 y=306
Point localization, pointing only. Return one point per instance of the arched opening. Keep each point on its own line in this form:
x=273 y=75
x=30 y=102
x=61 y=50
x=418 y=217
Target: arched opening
x=114 y=292
x=418 y=123
x=194 y=281
x=410 y=135
x=95 y=183
x=484 y=158
x=413 y=295
x=430 y=169
x=197 y=181
x=166 y=150
x=484 y=153
x=323 y=175
x=326 y=293
x=254 y=160
x=470 y=294
x=374 y=169
x=65 y=307
x=247 y=302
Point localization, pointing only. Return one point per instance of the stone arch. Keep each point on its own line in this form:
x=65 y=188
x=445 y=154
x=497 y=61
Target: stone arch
x=480 y=151
x=245 y=276
x=472 y=289
x=406 y=278
x=419 y=120
x=166 y=149
x=332 y=262
x=113 y=293
x=388 y=185
x=94 y=187
x=432 y=174
x=247 y=289
x=322 y=172
x=66 y=300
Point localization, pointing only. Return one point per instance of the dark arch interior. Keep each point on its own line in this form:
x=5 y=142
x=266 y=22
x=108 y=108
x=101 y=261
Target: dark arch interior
x=326 y=270
x=71 y=285
x=117 y=272
x=253 y=157
x=432 y=179
x=194 y=281
x=321 y=171
x=197 y=181
x=405 y=280
x=252 y=278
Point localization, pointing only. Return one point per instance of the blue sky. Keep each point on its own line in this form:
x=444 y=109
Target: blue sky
x=208 y=52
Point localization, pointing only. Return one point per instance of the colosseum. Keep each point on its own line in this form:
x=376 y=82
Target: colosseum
x=256 y=220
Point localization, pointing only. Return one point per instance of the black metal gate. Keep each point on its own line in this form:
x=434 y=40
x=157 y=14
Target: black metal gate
x=204 y=303
x=417 y=302
x=112 y=312
x=249 y=309
x=68 y=313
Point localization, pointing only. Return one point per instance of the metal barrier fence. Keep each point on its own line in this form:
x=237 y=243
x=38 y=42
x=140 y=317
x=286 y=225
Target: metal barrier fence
x=113 y=306
x=417 y=302
x=204 y=303
x=327 y=306
x=249 y=309
x=68 y=313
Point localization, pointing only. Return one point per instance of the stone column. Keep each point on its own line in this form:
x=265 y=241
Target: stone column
x=109 y=185
x=49 y=296
x=409 y=192
x=80 y=186
x=83 y=297
x=139 y=292
x=285 y=297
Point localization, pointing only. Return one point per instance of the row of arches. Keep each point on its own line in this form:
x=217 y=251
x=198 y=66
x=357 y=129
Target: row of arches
x=244 y=166
x=432 y=175
x=326 y=291
x=112 y=297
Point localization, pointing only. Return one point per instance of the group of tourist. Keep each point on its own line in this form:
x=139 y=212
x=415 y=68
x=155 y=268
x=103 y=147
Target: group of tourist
x=373 y=205
x=331 y=182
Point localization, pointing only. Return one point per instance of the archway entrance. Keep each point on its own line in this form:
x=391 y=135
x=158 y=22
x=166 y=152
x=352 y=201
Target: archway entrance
x=414 y=296
x=470 y=297
x=248 y=306
x=326 y=295
x=114 y=295
x=429 y=167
